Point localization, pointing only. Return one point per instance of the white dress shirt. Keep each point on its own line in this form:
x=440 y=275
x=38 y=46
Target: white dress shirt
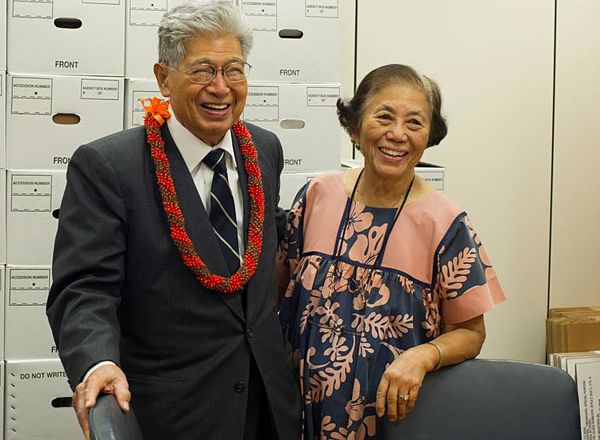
x=194 y=150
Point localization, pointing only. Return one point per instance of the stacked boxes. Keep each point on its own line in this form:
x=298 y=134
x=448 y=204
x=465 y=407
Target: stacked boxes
x=295 y=84
x=573 y=329
x=76 y=71
x=64 y=87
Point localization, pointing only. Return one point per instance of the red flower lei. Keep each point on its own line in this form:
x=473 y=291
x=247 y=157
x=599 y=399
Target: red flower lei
x=156 y=112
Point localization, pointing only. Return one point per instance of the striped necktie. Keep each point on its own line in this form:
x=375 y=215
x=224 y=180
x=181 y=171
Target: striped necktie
x=222 y=210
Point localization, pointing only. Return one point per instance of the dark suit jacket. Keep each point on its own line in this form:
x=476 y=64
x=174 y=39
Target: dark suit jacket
x=121 y=292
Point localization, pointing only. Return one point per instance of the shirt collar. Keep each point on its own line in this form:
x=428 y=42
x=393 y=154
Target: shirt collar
x=194 y=149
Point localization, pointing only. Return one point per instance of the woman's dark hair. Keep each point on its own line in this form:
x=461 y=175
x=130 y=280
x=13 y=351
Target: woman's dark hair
x=350 y=114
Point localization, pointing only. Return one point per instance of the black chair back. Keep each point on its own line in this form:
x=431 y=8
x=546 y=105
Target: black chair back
x=109 y=422
x=492 y=400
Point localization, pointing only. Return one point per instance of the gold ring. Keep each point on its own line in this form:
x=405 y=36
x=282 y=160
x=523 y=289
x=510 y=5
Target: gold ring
x=404 y=396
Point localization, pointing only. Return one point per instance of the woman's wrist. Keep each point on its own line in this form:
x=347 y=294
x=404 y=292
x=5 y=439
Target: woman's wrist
x=440 y=355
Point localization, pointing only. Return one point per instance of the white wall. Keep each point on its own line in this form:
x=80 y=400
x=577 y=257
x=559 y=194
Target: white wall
x=494 y=63
x=576 y=201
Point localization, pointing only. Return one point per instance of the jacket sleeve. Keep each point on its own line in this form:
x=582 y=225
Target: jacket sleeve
x=88 y=265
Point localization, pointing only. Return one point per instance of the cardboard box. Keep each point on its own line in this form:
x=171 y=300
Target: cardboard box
x=291 y=183
x=27 y=332
x=50 y=116
x=66 y=37
x=304 y=118
x=573 y=329
x=141 y=39
x=2 y=119
x=38 y=405
x=295 y=41
x=432 y=174
x=137 y=89
x=32 y=206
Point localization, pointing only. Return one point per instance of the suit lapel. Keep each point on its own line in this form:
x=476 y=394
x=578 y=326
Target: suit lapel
x=197 y=223
x=244 y=184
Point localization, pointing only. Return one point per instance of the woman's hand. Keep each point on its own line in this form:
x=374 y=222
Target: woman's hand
x=401 y=381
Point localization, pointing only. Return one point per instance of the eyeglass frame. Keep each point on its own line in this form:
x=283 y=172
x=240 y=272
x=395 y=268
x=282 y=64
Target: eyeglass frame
x=246 y=67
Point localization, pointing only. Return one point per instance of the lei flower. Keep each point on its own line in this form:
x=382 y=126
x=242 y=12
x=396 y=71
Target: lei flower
x=157 y=111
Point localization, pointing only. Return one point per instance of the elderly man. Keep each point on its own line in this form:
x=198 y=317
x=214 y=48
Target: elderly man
x=164 y=289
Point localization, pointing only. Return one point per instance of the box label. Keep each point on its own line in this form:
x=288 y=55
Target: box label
x=146 y=12
x=261 y=15
x=31 y=96
x=322 y=96
x=101 y=89
x=31 y=193
x=262 y=104
x=29 y=287
x=32 y=9
x=322 y=8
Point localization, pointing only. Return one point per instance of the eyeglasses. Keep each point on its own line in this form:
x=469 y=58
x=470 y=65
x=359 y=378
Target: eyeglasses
x=204 y=73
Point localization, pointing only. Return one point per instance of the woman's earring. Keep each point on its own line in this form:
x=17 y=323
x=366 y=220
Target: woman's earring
x=356 y=146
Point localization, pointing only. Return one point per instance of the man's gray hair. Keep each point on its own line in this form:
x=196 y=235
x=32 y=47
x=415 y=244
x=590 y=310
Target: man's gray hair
x=200 y=18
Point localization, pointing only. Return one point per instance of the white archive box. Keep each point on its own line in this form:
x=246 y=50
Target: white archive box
x=27 y=334
x=431 y=173
x=290 y=185
x=32 y=204
x=135 y=90
x=2 y=389
x=38 y=402
x=294 y=40
x=141 y=39
x=48 y=117
x=3 y=35
x=66 y=37
x=304 y=118
x=2 y=216
x=2 y=299
x=2 y=119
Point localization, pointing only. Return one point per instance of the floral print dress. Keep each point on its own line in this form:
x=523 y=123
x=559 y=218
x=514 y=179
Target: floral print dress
x=351 y=306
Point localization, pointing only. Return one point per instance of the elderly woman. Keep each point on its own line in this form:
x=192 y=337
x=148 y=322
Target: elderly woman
x=385 y=279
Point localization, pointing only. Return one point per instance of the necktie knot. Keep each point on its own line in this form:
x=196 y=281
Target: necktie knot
x=216 y=160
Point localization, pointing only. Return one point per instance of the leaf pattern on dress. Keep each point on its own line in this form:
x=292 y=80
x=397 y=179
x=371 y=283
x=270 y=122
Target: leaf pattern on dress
x=327 y=379
x=365 y=348
x=399 y=325
x=407 y=284
x=377 y=325
x=433 y=319
x=454 y=273
x=309 y=309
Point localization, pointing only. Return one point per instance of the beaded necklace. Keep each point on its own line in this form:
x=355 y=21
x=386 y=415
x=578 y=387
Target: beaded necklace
x=156 y=114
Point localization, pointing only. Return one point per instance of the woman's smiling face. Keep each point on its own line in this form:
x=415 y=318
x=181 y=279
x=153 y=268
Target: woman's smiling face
x=394 y=131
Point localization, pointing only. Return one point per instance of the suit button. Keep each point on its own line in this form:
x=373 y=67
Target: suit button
x=250 y=333
x=239 y=387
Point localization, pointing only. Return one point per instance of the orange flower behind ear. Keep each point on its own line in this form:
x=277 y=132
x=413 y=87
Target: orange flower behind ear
x=158 y=108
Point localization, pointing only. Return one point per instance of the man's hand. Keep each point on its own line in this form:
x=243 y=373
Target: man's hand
x=108 y=379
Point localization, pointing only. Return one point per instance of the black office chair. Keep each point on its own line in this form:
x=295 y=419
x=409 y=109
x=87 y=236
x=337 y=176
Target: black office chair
x=492 y=400
x=108 y=422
